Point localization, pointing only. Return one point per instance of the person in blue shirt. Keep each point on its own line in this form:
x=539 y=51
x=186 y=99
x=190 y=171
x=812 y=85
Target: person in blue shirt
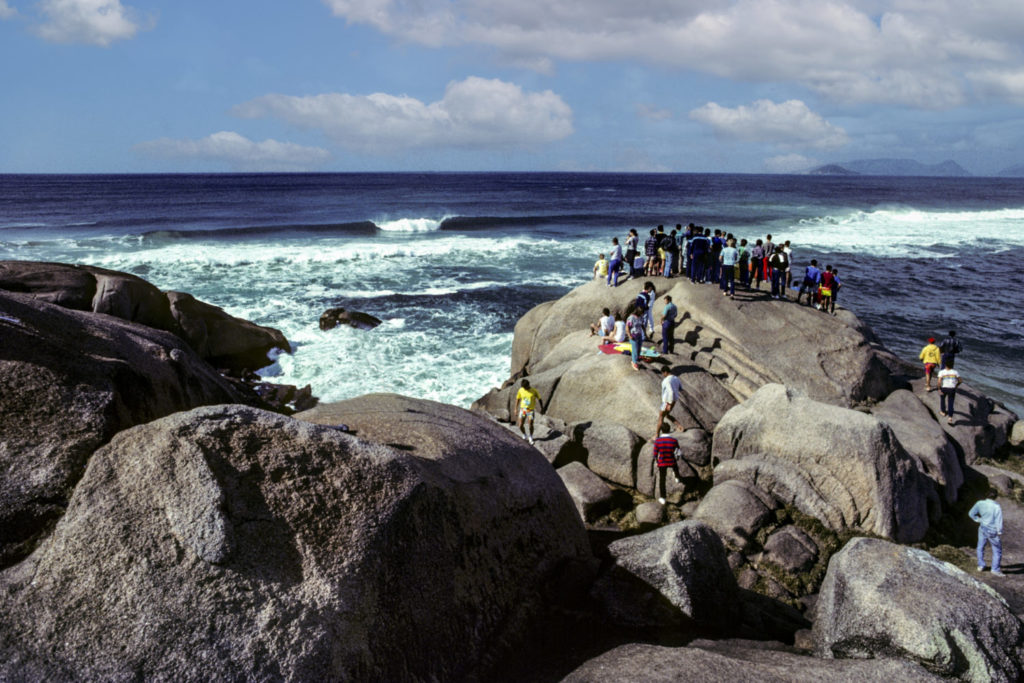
x=812 y=278
x=728 y=258
x=990 y=516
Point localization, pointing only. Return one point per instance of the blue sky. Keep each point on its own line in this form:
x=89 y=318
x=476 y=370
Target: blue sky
x=603 y=85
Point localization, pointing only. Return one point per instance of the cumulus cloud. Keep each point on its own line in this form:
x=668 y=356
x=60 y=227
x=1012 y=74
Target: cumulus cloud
x=94 y=22
x=475 y=112
x=908 y=52
x=788 y=123
x=239 y=152
x=6 y=11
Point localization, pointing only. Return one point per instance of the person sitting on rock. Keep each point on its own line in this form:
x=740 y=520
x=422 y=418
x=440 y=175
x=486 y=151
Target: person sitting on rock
x=665 y=449
x=671 y=388
x=527 y=401
x=618 y=333
x=601 y=267
x=930 y=356
x=989 y=515
x=604 y=325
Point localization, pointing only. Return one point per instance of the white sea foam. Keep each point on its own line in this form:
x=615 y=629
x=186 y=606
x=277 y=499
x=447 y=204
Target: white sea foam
x=410 y=224
x=900 y=232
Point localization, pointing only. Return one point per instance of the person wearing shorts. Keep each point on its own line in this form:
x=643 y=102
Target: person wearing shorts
x=931 y=357
x=671 y=388
x=527 y=401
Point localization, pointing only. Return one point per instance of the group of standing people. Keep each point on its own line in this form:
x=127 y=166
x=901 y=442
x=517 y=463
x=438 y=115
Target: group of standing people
x=716 y=257
x=947 y=379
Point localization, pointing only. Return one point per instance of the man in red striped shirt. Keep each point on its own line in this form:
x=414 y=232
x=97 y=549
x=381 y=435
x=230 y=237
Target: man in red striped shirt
x=665 y=448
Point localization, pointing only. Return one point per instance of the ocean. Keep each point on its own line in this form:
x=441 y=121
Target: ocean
x=450 y=261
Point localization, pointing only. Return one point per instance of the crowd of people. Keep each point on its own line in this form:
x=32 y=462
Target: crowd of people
x=717 y=257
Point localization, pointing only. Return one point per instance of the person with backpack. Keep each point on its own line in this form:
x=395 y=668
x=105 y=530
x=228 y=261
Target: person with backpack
x=949 y=347
x=778 y=262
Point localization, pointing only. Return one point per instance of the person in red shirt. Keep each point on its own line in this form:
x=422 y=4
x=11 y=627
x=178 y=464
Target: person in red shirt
x=665 y=448
x=828 y=283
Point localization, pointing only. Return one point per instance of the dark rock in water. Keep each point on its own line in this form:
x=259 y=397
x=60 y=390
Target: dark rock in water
x=229 y=543
x=69 y=381
x=220 y=338
x=333 y=317
x=881 y=598
x=224 y=340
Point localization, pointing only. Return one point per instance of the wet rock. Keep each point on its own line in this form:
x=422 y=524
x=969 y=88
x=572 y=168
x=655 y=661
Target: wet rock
x=334 y=317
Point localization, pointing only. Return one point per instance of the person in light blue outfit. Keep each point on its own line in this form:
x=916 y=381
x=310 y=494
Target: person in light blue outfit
x=990 y=516
x=613 y=265
x=728 y=258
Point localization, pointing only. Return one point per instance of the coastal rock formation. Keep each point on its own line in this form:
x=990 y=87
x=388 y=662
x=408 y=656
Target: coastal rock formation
x=840 y=466
x=333 y=317
x=725 y=660
x=69 y=381
x=233 y=543
x=222 y=339
x=880 y=599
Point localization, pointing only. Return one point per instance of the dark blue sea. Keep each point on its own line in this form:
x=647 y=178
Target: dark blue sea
x=451 y=261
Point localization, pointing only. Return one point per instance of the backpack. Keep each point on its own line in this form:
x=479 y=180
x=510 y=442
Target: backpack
x=951 y=345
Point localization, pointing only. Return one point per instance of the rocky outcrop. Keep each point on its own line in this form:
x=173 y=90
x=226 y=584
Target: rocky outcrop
x=591 y=495
x=333 y=317
x=841 y=466
x=235 y=544
x=880 y=599
x=218 y=337
x=69 y=381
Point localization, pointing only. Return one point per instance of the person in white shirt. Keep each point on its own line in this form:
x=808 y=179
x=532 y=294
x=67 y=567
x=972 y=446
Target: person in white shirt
x=671 y=388
x=604 y=325
x=949 y=380
x=989 y=515
x=618 y=333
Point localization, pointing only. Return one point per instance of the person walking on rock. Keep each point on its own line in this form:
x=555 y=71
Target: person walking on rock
x=671 y=389
x=931 y=357
x=989 y=515
x=949 y=347
x=949 y=380
x=527 y=401
x=613 y=267
x=665 y=449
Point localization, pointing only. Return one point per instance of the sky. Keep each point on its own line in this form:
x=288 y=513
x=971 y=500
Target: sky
x=745 y=86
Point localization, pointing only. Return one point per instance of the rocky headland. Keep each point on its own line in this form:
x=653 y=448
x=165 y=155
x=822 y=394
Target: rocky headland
x=158 y=521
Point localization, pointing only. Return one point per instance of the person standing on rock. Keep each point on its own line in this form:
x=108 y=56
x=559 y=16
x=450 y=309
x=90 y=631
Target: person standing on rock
x=632 y=245
x=949 y=380
x=727 y=259
x=931 y=357
x=651 y=254
x=635 y=331
x=645 y=306
x=527 y=402
x=668 y=324
x=989 y=515
x=671 y=389
x=950 y=346
x=757 y=257
x=616 y=262
x=665 y=449
x=778 y=263
x=812 y=278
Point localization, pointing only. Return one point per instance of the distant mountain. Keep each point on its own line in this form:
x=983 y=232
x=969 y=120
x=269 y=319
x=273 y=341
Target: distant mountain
x=831 y=169
x=902 y=167
x=1016 y=171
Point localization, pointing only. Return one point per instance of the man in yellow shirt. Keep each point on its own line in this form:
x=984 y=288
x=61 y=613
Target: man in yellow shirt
x=601 y=267
x=931 y=357
x=527 y=401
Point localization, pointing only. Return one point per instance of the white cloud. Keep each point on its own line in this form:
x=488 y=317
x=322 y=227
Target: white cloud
x=239 y=152
x=475 y=112
x=911 y=52
x=94 y=22
x=789 y=163
x=1001 y=84
x=6 y=11
x=788 y=123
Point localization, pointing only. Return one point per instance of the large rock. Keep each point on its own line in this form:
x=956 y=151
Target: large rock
x=333 y=317
x=224 y=340
x=923 y=438
x=726 y=660
x=980 y=425
x=736 y=511
x=841 y=466
x=684 y=564
x=591 y=495
x=611 y=450
x=791 y=548
x=69 y=381
x=228 y=543
x=881 y=599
